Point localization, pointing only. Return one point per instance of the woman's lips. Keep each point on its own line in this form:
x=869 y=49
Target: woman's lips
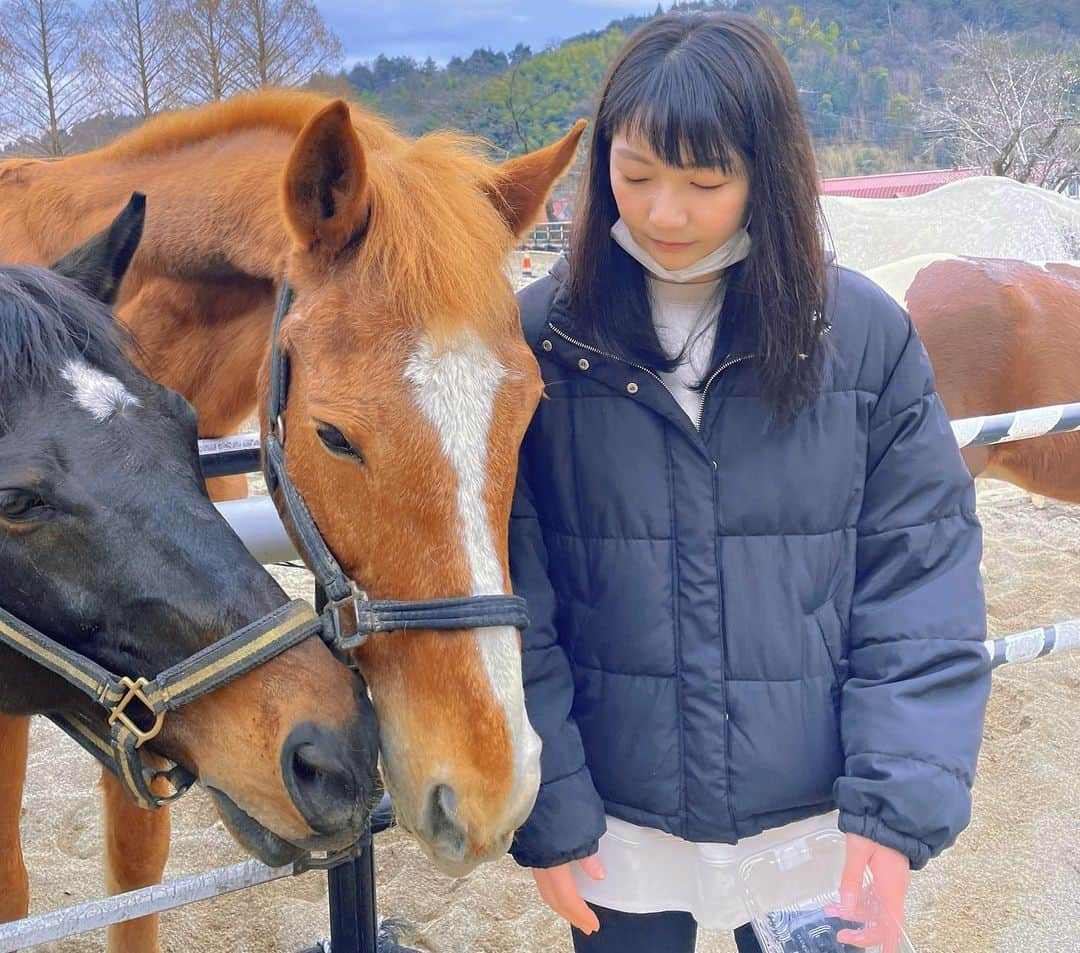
x=671 y=246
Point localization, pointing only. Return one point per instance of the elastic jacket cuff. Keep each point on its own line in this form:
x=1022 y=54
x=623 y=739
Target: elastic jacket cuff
x=525 y=859
x=566 y=823
x=873 y=829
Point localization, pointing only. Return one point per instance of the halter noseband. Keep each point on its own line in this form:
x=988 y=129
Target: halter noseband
x=116 y=742
x=343 y=594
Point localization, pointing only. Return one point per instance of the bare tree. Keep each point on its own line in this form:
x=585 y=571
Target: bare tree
x=1012 y=110
x=7 y=64
x=46 y=85
x=206 y=57
x=7 y=69
x=133 y=52
x=282 y=43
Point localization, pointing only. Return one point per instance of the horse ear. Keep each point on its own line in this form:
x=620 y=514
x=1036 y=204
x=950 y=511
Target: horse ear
x=521 y=185
x=99 y=264
x=325 y=194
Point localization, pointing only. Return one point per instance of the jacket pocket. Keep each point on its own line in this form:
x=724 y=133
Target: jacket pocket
x=828 y=634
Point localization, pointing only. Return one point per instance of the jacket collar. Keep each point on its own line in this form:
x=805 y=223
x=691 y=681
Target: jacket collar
x=565 y=323
x=563 y=340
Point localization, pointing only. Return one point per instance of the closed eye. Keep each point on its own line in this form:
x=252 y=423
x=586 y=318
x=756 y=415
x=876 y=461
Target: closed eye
x=336 y=442
x=22 y=506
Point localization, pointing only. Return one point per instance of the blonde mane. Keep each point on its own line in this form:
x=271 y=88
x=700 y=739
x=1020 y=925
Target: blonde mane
x=434 y=238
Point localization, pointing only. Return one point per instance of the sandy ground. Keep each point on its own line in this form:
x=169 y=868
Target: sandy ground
x=1009 y=886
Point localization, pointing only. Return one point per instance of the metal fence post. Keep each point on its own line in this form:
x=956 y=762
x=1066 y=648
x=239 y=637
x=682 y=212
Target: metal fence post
x=353 y=918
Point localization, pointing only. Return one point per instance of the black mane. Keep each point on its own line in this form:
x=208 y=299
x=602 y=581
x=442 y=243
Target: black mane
x=45 y=322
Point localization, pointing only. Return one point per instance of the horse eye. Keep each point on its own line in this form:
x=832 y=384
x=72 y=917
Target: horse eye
x=18 y=505
x=336 y=442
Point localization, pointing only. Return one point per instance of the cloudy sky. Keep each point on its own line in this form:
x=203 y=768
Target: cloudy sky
x=445 y=28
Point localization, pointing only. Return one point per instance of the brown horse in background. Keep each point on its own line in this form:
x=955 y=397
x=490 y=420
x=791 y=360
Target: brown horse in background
x=411 y=387
x=1002 y=335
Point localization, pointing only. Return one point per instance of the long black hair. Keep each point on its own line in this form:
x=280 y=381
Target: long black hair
x=710 y=90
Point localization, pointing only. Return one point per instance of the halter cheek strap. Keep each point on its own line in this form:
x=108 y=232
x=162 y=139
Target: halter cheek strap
x=350 y=617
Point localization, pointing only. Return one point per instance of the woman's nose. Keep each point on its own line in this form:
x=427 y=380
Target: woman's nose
x=667 y=212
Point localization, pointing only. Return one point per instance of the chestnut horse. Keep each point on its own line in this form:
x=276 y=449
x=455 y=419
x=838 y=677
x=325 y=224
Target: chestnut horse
x=1002 y=335
x=110 y=549
x=411 y=385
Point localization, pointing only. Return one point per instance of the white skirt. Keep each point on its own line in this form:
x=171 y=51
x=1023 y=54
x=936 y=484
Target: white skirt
x=649 y=871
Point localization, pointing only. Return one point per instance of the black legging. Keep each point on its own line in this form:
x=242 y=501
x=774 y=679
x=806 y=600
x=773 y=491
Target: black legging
x=673 y=932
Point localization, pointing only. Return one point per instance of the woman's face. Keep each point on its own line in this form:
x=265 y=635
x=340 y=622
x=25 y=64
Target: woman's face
x=678 y=215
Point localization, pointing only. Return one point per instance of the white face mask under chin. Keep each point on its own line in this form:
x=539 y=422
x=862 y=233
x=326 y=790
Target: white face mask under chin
x=734 y=250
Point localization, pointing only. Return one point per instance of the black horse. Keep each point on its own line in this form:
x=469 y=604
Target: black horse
x=111 y=551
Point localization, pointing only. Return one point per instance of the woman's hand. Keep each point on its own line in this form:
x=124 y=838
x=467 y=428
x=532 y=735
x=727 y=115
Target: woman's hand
x=892 y=874
x=558 y=891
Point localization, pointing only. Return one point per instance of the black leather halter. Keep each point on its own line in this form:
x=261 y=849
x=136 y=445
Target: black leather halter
x=115 y=739
x=369 y=615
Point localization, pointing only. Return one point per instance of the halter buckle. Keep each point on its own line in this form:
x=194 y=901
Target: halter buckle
x=336 y=637
x=330 y=859
x=118 y=713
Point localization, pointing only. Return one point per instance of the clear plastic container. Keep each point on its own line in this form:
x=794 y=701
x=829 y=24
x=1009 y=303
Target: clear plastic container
x=792 y=891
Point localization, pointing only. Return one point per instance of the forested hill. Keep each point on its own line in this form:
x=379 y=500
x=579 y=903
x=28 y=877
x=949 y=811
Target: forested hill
x=886 y=85
x=864 y=68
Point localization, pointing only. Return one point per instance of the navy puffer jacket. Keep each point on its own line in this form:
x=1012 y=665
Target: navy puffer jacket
x=741 y=626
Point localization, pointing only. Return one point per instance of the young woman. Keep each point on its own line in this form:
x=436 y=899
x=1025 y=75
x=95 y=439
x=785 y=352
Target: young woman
x=745 y=532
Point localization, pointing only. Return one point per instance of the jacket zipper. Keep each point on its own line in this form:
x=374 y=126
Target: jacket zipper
x=708 y=384
x=704 y=393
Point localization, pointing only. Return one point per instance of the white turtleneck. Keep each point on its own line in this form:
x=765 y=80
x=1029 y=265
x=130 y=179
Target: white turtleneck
x=686 y=314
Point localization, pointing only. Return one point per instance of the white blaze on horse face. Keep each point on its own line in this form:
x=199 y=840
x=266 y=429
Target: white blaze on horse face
x=101 y=394
x=455 y=388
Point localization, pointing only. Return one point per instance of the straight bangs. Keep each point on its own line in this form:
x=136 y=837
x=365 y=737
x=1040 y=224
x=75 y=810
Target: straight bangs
x=668 y=112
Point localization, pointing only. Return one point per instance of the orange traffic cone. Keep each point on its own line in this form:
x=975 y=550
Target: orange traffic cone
x=526 y=267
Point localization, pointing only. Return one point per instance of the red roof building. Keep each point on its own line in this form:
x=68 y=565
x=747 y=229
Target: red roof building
x=894 y=185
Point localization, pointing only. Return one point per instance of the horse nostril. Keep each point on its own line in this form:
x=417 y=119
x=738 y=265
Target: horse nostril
x=442 y=821
x=323 y=786
x=313 y=768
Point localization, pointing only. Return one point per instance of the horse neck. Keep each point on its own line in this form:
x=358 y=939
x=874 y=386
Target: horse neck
x=199 y=295
x=212 y=207
x=204 y=338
